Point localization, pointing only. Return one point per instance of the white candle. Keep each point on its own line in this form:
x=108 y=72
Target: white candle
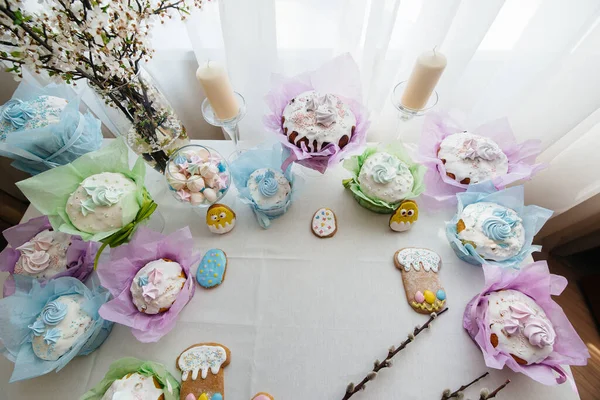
x=423 y=79
x=215 y=82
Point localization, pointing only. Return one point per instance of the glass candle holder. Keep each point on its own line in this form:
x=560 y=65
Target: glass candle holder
x=198 y=175
x=406 y=113
x=229 y=126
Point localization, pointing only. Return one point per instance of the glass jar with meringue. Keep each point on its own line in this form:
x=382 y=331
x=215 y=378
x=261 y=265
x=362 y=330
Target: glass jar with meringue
x=198 y=175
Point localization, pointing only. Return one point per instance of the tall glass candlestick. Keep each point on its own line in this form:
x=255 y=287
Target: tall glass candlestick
x=404 y=113
x=229 y=126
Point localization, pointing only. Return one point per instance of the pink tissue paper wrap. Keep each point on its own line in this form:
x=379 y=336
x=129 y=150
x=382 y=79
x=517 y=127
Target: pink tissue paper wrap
x=80 y=254
x=339 y=76
x=125 y=261
x=536 y=281
x=441 y=189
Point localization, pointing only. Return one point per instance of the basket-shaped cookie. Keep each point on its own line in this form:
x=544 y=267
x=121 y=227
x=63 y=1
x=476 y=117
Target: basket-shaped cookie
x=383 y=177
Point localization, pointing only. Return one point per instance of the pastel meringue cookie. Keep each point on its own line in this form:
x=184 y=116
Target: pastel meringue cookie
x=316 y=120
x=519 y=327
x=269 y=188
x=135 y=386
x=195 y=184
x=155 y=286
x=496 y=232
x=470 y=158
x=177 y=180
x=44 y=256
x=220 y=219
x=60 y=324
x=103 y=202
x=385 y=177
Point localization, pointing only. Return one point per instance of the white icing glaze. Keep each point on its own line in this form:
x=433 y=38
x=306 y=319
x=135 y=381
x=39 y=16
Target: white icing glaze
x=133 y=387
x=75 y=323
x=201 y=359
x=279 y=199
x=323 y=222
x=398 y=180
x=46 y=245
x=472 y=156
x=302 y=118
x=102 y=218
x=46 y=111
x=474 y=217
x=417 y=258
x=400 y=226
x=164 y=281
x=499 y=314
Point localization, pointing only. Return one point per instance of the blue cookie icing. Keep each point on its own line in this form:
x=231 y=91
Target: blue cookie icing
x=211 y=269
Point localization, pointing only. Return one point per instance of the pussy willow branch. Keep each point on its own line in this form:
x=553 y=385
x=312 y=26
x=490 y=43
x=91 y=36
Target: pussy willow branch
x=495 y=392
x=352 y=389
x=447 y=395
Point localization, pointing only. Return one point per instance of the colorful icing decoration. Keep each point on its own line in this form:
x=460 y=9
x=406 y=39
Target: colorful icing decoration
x=419 y=268
x=53 y=312
x=419 y=298
x=416 y=258
x=267 y=184
x=52 y=336
x=201 y=359
x=17 y=112
x=38 y=327
x=203 y=396
x=220 y=219
x=440 y=294
x=405 y=216
x=156 y=285
x=212 y=267
x=324 y=223
x=217 y=396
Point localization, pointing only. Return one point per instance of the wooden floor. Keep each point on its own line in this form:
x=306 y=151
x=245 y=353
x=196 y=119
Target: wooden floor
x=573 y=303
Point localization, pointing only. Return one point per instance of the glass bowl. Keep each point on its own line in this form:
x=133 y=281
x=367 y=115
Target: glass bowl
x=198 y=175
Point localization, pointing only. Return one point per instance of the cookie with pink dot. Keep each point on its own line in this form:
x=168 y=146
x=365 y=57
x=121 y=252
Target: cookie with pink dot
x=324 y=223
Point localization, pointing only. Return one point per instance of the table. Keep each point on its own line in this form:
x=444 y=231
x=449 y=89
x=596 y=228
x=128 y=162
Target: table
x=305 y=316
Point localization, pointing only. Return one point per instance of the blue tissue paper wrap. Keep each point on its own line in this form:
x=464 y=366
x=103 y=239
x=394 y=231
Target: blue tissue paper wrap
x=534 y=218
x=263 y=156
x=20 y=310
x=37 y=148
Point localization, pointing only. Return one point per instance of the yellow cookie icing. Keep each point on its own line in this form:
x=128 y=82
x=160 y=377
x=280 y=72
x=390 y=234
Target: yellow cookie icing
x=437 y=305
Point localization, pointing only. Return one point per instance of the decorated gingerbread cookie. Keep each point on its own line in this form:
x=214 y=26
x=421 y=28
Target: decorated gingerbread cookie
x=405 y=216
x=324 y=223
x=220 y=218
x=212 y=268
x=263 y=396
x=201 y=367
x=420 y=269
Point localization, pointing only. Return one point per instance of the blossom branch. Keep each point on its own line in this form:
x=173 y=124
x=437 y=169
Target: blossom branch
x=352 y=389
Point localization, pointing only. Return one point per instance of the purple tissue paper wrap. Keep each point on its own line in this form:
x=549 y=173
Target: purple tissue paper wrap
x=440 y=189
x=126 y=260
x=535 y=281
x=80 y=254
x=339 y=76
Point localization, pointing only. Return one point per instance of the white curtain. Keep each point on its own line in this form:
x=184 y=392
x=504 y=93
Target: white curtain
x=536 y=62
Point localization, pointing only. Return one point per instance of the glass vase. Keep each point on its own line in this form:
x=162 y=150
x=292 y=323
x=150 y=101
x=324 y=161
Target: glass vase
x=141 y=113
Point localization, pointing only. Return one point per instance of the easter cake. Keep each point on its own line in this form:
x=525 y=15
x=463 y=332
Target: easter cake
x=135 y=386
x=60 y=324
x=44 y=256
x=313 y=121
x=155 y=287
x=385 y=177
x=519 y=327
x=269 y=189
x=470 y=158
x=103 y=202
x=495 y=232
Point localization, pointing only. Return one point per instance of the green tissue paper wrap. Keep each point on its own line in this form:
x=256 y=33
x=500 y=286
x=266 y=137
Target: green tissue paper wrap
x=50 y=190
x=124 y=366
x=355 y=163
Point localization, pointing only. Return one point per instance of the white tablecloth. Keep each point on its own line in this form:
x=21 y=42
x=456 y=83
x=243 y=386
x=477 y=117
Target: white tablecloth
x=305 y=316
